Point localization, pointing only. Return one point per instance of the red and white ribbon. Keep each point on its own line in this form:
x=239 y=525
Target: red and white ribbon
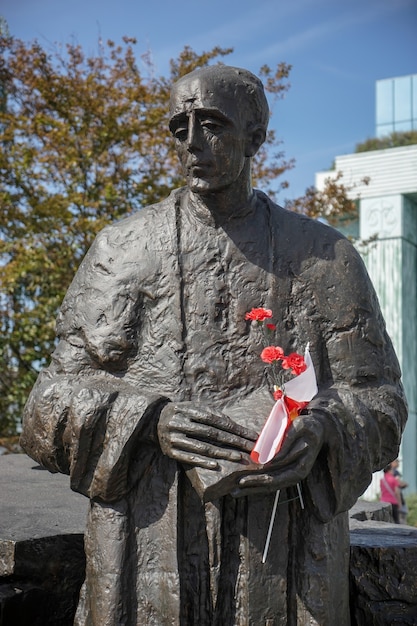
x=297 y=394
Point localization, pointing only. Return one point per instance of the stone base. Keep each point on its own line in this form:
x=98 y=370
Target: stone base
x=383 y=569
x=42 y=560
x=42 y=555
x=25 y=603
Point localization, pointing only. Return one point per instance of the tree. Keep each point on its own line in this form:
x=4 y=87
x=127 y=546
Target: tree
x=332 y=203
x=83 y=140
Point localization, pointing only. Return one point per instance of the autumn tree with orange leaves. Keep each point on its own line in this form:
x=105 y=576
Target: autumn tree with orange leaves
x=83 y=141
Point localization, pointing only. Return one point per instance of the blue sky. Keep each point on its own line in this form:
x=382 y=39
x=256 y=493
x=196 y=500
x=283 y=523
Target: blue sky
x=338 y=49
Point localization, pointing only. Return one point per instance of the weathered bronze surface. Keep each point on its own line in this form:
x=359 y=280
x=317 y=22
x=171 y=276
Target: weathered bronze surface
x=156 y=386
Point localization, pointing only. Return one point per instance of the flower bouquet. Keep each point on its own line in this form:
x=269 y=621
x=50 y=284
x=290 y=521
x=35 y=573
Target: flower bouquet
x=290 y=396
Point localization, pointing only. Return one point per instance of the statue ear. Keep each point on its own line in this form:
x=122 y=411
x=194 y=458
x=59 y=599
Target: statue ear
x=256 y=136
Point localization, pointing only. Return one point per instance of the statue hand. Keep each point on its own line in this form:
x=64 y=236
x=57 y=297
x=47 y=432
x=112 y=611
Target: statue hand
x=293 y=462
x=194 y=435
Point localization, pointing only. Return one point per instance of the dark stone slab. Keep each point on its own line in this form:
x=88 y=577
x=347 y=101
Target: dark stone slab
x=383 y=574
x=23 y=603
x=36 y=503
x=42 y=557
x=371 y=510
x=38 y=510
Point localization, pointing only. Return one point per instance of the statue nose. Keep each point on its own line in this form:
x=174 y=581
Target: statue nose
x=195 y=135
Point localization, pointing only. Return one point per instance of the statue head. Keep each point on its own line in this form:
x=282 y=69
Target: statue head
x=218 y=117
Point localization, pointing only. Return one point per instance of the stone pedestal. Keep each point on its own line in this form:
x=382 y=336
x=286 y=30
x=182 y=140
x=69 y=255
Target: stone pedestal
x=42 y=559
x=383 y=568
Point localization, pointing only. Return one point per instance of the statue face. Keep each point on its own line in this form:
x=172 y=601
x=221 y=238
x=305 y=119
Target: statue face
x=210 y=135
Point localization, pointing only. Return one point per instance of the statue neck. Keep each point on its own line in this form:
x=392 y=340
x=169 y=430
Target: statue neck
x=219 y=216
x=222 y=206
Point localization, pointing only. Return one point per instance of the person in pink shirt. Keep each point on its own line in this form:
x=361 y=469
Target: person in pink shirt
x=390 y=491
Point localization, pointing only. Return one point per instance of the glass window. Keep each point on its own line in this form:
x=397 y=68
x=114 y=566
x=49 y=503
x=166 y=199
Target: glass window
x=402 y=127
x=414 y=97
x=384 y=129
x=384 y=101
x=402 y=98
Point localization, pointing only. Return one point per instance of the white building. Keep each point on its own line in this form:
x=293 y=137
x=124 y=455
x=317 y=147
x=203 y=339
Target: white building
x=388 y=209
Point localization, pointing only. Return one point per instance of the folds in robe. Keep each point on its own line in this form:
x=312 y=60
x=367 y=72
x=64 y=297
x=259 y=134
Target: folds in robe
x=156 y=314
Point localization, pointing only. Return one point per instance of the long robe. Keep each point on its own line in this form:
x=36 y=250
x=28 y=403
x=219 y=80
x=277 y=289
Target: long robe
x=156 y=313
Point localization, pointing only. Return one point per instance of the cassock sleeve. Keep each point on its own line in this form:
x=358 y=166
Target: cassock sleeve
x=82 y=417
x=360 y=394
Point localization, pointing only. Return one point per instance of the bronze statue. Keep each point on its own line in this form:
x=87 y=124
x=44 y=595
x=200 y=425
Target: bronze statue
x=156 y=389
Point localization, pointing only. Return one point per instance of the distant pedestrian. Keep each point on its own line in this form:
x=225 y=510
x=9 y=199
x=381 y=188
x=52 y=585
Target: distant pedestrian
x=391 y=492
x=403 y=485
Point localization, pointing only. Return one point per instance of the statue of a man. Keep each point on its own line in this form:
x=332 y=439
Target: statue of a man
x=157 y=377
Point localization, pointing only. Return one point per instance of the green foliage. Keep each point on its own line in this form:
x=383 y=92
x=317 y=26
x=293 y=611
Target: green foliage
x=83 y=141
x=394 y=140
x=411 y=502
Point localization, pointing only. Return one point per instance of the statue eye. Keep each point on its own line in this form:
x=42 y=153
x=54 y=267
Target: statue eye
x=179 y=129
x=181 y=133
x=212 y=125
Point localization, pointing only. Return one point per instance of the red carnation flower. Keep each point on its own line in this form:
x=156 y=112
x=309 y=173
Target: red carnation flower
x=294 y=362
x=258 y=315
x=271 y=354
x=271 y=327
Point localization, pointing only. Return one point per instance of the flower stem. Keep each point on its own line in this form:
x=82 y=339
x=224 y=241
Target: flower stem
x=271 y=525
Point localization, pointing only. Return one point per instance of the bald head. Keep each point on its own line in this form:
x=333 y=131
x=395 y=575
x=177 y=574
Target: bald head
x=236 y=93
x=219 y=117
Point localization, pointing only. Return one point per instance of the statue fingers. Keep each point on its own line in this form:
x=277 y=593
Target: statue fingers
x=188 y=458
x=267 y=482
x=221 y=422
x=211 y=433
x=228 y=439
x=302 y=444
x=291 y=453
x=203 y=448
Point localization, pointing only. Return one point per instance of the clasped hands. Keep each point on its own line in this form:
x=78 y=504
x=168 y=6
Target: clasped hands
x=192 y=434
